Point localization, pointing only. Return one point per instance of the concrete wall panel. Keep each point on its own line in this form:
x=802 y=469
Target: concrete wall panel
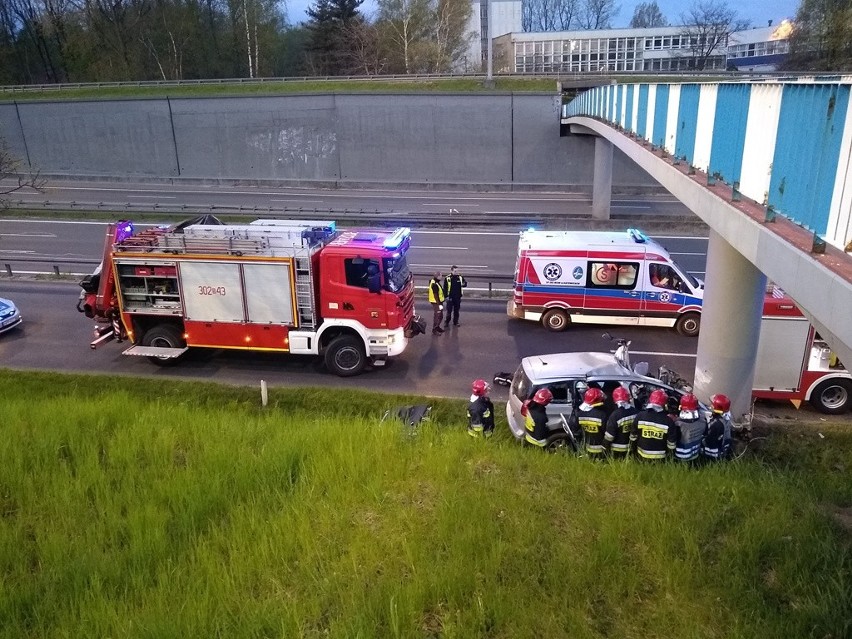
x=11 y=134
x=286 y=137
x=126 y=137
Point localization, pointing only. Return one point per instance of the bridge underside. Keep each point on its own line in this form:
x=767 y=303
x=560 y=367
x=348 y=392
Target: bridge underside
x=821 y=283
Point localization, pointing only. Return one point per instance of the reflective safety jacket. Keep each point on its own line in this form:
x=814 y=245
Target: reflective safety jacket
x=690 y=435
x=453 y=285
x=618 y=429
x=436 y=292
x=654 y=433
x=480 y=417
x=536 y=425
x=717 y=440
x=592 y=420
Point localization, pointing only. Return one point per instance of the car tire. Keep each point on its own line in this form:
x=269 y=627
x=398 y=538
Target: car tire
x=833 y=396
x=164 y=336
x=555 y=320
x=689 y=324
x=345 y=356
x=558 y=443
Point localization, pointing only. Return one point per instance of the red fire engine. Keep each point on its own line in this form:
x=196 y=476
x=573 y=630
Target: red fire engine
x=301 y=287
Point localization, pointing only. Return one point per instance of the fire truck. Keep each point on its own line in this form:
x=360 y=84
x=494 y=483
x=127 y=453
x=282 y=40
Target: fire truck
x=290 y=286
x=794 y=364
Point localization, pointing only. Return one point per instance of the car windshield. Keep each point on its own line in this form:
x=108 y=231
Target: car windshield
x=396 y=272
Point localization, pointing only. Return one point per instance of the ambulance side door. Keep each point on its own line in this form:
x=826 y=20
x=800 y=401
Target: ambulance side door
x=612 y=287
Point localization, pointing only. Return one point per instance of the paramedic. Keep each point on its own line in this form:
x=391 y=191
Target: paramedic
x=436 y=299
x=536 y=415
x=653 y=431
x=480 y=411
x=453 y=285
x=717 y=441
x=592 y=419
x=691 y=426
x=618 y=425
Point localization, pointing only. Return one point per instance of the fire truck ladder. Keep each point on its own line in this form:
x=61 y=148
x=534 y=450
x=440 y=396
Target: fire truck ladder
x=305 y=301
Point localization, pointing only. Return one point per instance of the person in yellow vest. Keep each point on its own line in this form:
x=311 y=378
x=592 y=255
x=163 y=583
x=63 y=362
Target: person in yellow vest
x=436 y=299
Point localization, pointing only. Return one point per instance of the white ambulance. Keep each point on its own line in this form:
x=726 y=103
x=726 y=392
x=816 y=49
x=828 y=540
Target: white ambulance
x=602 y=277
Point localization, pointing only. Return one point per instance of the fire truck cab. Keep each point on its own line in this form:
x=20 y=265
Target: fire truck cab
x=301 y=287
x=602 y=277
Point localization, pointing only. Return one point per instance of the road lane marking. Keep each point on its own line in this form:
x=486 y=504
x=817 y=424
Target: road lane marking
x=161 y=197
x=27 y=234
x=632 y=353
x=441 y=248
x=300 y=201
x=460 y=266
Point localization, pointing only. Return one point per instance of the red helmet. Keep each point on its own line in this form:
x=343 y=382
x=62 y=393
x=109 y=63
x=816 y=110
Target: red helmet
x=658 y=398
x=594 y=397
x=621 y=394
x=543 y=396
x=480 y=387
x=689 y=402
x=720 y=403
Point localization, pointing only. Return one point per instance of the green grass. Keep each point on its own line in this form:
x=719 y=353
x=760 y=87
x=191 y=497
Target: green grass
x=462 y=85
x=155 y=508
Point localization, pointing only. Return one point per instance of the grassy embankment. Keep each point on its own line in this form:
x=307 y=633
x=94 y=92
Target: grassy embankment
x=147 y=508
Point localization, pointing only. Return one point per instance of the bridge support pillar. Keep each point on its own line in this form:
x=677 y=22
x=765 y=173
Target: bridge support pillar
x=730 y=326
x=602 y=179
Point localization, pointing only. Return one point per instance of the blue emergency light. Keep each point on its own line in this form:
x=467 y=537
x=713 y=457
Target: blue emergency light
x=637 y=235
x=397 y=238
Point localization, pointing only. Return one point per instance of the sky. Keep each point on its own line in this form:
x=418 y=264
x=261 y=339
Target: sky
x=758 y=12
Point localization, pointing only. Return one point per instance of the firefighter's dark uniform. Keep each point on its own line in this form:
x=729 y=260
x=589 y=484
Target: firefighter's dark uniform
x=592 y=420
x=480 y=417
x=436 y=299
x=653 y=434
x=717 y=440
x=691 y=433
x=453 y=285
x=536 y=425
x=618 y=428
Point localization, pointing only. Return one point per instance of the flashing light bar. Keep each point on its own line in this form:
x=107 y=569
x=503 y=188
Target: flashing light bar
x=123 y=230
x=637 y=235
x=397 y=238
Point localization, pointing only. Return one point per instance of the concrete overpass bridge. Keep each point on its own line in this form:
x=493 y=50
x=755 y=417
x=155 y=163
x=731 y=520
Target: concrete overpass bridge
x=768 y=166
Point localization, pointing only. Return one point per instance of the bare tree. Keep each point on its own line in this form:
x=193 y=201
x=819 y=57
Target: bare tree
x=707 y=25
x=408 y=24
x=598 y=14
x=13 y=177
x=648 y=14
x=550 y=15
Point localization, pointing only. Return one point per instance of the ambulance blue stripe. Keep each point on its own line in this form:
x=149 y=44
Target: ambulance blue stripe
x=687 y=121
x=807 y=148
x=661 y=109
x=642 y=114
x=556 y=290
x=726 y=151
x=628 y=117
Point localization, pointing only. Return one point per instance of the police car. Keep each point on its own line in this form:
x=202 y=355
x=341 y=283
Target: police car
x=10 y=316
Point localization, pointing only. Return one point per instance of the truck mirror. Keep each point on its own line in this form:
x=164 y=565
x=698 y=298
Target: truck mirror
x=374 y=283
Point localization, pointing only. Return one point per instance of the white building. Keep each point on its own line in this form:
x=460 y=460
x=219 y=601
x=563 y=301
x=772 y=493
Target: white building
x=759 y=50
x=606 y=50
x=505 y=18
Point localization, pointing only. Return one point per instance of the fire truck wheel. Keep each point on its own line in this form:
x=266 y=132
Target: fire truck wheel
x=555 y=320
x=833 y=396
x=689 y=324
x=345 y=356
x=163 y=336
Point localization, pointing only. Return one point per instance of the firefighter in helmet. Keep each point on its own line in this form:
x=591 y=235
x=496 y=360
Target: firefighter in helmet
x=691 y=427
x=536 y=415
x=653 y=432
x=618 y=426
x=480 y=410
x=592 y=419
x=717 y=441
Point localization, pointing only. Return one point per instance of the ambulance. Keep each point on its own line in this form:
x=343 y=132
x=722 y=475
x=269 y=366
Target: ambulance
x=624 y=277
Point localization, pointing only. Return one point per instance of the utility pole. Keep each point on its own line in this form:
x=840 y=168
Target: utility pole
x=489 y=80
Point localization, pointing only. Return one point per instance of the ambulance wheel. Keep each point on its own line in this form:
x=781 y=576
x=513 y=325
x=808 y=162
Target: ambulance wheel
x=163 y=336
x=345 y=356
x=833 y=396
x=555 y=320
x=689 y=324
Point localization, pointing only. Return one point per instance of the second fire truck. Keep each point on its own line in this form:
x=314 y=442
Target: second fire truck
x=301 y=287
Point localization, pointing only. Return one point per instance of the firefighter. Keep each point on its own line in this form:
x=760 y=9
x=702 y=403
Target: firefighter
x=618 y=426
x=691 y=427
x=436 y=299
x=717 y=440
x=592 y=419
x=536 y=413
x=453 y=285
x=480 y=411
x=653 y=432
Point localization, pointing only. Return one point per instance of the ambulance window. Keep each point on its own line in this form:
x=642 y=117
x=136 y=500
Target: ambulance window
x=620 y=275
